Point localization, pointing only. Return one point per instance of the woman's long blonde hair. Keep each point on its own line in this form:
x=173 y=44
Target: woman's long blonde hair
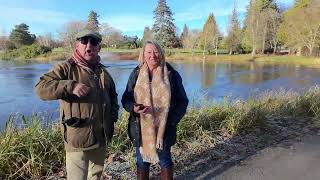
x=160 y=50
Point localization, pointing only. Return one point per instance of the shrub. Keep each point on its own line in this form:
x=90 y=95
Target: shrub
x=25 y=52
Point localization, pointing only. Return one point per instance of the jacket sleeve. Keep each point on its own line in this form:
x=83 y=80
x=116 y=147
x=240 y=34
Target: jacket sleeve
x=114 y=101
x=55 y=84
x=128 y=95
x=180 y=107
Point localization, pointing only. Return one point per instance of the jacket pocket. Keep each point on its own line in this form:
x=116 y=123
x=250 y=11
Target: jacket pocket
x=79 y=136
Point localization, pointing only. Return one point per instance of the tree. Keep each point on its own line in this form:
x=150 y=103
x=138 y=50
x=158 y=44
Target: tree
x=46 y=40
x=69 y=32
x=163 y=27
x=301 y=27
x=3 y=42
x=274 y=19
x=209 y=35
x=257 y=24
x=190 y=41
x=184 y=35
x=110 y=35
x=233 y=40
x=20 y=36
x=93 y=23
x=147 y=34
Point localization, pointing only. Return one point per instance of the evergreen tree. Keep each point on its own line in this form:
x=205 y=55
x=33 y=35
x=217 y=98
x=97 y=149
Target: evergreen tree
x=234 y=32
x=147 y=34
x=163 y=27
x=209 y=36
x=184 y=34
x=93 y=23
x=20 y=36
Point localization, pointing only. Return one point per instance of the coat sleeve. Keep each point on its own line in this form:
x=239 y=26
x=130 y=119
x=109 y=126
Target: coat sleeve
x=128 y=95
x=181 y=99
x=55 y=84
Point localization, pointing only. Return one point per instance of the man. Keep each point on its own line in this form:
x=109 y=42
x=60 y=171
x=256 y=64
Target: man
x=88 y=106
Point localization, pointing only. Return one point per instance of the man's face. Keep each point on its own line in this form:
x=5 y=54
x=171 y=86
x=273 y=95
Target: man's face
x=88 y=47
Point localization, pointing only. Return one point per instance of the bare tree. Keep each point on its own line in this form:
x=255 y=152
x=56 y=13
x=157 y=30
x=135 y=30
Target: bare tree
x=274 y=18
x=46 y=40
x=69 y=31
x=190 y=41
x=110 y=35
x=3 y=42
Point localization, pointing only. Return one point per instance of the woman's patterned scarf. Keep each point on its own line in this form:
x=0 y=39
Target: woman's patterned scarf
x=155 y=94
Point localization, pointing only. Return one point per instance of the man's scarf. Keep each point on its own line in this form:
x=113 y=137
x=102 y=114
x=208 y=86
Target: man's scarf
x=155 y=94
x=78 y=58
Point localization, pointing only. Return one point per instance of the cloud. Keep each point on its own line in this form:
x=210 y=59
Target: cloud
x=129 y=22
x=14 y=15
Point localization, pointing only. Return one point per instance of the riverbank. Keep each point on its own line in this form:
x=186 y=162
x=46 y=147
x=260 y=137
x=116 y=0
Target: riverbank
x=210 y=135
x=59 y=54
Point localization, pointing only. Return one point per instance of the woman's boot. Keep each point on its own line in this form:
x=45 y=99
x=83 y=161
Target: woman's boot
x=142 y=174
x=166 y=174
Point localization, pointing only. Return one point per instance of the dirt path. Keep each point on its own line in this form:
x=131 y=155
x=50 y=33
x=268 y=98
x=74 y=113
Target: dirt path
x=297 y=161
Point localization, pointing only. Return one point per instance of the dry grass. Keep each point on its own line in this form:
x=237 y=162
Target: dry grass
x=35 y=151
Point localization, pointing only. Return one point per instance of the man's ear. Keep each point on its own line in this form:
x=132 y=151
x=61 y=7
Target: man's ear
x=99 y=47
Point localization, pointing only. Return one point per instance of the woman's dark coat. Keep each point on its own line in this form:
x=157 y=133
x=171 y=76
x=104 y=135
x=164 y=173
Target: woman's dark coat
x=177 y=110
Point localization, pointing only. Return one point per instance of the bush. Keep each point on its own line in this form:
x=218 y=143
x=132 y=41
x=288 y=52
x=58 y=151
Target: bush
x=32 y=51
x=25 y=52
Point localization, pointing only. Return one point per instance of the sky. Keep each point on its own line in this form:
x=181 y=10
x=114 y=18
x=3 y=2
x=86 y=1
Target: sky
x=129 y=16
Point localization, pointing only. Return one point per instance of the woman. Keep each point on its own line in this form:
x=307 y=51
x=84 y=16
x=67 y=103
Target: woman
x=156 y=101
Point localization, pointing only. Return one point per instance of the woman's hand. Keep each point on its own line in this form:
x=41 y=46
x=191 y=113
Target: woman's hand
x=141 y=109
x=159 y=144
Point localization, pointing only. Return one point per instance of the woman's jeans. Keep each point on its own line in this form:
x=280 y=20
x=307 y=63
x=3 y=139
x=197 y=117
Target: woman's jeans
x=164 y=157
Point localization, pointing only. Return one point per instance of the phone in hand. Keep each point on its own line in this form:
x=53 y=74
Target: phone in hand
x=141 y=106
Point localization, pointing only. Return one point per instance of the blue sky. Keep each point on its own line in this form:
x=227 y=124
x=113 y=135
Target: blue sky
x=129 y=16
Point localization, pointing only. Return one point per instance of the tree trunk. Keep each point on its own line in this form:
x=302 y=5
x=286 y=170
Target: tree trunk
x=264 y=38
x=299 y=52
x=216 y=49
x=274 y=47
x=204 y=46
x=310 y=51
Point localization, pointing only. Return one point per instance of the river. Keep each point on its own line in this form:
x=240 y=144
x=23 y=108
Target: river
x=202 y=80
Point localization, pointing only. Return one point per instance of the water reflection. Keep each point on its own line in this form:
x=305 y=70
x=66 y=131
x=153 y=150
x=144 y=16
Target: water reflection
x=216 y=80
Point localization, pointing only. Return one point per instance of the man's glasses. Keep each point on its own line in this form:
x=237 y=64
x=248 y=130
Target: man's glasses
x=85 y=40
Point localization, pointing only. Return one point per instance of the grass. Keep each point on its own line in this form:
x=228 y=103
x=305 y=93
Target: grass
x=29 y=149
x=33 y=150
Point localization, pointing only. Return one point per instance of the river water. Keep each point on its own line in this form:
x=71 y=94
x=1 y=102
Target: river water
x=212 y=80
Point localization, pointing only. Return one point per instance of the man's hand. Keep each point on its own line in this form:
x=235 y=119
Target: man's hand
x=159 y=144
x=80 y=89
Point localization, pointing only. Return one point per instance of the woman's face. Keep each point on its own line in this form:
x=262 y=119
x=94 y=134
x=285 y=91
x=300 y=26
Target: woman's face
x=151 y=56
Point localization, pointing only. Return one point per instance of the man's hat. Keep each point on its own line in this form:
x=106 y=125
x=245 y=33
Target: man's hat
x=89 y=33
